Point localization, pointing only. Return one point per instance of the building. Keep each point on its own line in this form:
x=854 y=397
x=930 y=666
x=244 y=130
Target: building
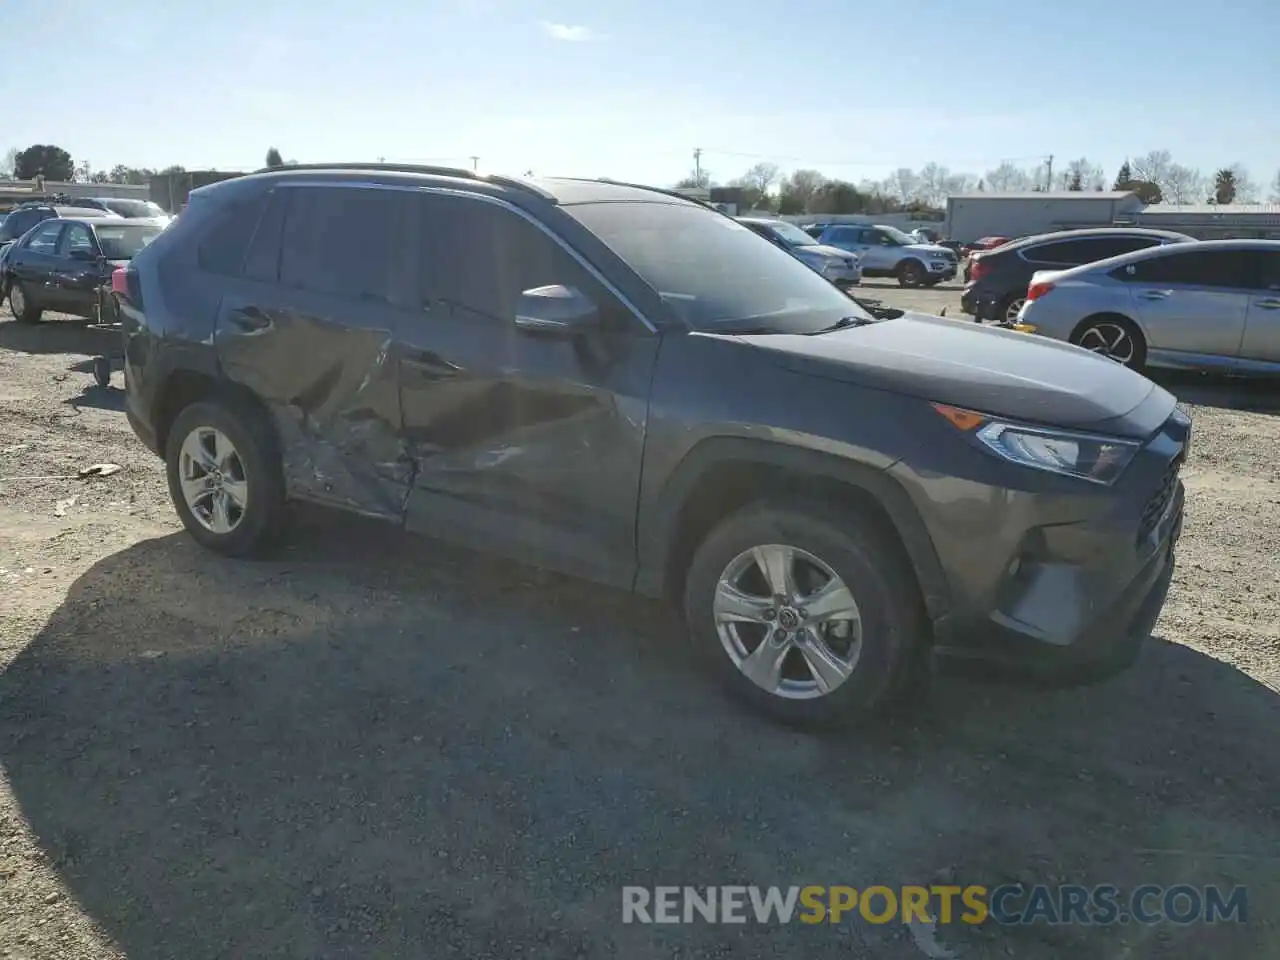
x=974 y=215
x=1207 y=221
x=171 y=190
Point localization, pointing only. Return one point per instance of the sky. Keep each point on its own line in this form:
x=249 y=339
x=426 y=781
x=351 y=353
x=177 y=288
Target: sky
x=626 y=89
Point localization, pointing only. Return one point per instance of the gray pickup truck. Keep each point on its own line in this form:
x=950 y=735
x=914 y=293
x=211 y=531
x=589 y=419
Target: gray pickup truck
x=885 y=251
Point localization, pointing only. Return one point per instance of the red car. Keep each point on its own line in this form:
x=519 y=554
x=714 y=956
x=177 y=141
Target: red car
x=979 y=246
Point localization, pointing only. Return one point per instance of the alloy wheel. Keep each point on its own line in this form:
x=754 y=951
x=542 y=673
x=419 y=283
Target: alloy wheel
x=212 y=477
x=1011 y=312
x=1109 y=339
x=17 y=300
x=788 y=621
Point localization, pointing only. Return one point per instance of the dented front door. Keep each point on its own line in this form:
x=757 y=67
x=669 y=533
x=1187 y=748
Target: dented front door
x=308 y=327
x=522 y=445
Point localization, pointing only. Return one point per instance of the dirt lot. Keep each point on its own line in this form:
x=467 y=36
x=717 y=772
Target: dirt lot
x=373 y=746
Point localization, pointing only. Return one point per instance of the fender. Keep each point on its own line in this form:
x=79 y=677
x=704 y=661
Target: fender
x=657 y=520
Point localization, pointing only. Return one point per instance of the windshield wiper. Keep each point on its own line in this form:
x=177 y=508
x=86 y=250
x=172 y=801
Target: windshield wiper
x=844 y=323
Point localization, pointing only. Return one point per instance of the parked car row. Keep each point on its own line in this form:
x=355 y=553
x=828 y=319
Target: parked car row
x=886 y=251
x=838 y=266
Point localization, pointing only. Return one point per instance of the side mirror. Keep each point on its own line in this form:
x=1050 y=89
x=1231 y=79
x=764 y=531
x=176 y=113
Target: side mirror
x=80 y=253
x=556 y=311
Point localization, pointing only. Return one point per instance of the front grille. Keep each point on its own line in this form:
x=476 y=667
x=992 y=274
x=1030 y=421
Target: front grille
x=1159 y=502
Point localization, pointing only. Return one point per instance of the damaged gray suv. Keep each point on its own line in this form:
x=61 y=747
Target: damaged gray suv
x=626 y=385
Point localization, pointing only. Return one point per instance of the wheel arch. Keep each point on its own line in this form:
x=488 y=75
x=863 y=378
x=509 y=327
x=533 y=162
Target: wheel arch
x=722 y=475
x=184 y=387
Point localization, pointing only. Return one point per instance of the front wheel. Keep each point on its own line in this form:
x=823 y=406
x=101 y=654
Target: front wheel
x=1114 y=337
x=808 y=613
x=24 y=311
x=911 y=274
x=225 y=478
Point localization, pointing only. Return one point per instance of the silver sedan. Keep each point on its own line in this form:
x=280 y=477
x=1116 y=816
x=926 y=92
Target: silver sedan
x=1213 y=305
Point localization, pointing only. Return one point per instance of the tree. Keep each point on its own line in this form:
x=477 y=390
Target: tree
x=1124 y=177
x=1074 y=181
x=1224 y=186
x=696 y=180
x=274 y=159
x=837 y=196
x=1275 y=188
x=1183 y=185
x=1083 y=175
x=902 y=184
x=46 y=160
x=1246 y=189
x=122 y=174
x=756 y=183
x=796 y=192
x=1007 y=178
x=8 y=162
x=1147 y=191
x=1153 y=167
x=100 y=176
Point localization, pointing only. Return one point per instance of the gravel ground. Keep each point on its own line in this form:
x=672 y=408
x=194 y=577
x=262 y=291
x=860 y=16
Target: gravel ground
x=374 y=746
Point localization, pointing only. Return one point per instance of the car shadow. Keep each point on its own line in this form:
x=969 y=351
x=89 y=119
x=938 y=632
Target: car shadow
x=102 y=398
x=1250 y=394
x=59 y=336
x=374 y=745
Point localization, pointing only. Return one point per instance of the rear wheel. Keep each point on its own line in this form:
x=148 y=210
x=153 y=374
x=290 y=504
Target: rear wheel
x=225 y=478
x=911 y=274
x=1114 y=337
x=20 y=304
x=810 y=614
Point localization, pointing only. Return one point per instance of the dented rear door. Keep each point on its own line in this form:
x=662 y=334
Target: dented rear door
x=309 y=328
x=523 y=445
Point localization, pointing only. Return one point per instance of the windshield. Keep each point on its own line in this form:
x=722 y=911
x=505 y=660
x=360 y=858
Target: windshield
x=133 y=209
x=713 y=271
x=790 y=234
x=900 y=238
x=124 y=242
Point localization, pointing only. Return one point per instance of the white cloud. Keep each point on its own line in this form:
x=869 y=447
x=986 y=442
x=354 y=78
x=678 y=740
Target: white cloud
x=570 y=33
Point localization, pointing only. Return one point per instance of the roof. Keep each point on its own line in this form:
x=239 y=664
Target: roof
x=1212 y=209
x=1088 y=232
x=1047 y=195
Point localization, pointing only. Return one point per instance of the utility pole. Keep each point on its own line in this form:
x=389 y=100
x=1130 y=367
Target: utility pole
x=475 y=163
x=1049 y=179
x=697 y=165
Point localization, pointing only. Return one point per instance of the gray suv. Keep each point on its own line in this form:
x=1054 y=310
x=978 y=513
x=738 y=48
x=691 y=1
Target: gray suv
x=888 y=252
x=627 y=386
x=838 y=266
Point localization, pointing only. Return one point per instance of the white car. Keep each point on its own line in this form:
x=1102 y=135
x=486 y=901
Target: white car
x=1208 y=305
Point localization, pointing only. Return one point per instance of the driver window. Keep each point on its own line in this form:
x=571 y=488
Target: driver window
x=480 y=257
x=882 y=238
x=76 y=237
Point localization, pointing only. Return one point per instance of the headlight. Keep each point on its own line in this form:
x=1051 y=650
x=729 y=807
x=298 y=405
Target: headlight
x=1100 y=459
x=1085 y=456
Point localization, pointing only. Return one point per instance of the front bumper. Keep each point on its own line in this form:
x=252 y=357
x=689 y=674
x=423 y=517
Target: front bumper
x=843 y=276
x=940 y=271
x=1058 y=581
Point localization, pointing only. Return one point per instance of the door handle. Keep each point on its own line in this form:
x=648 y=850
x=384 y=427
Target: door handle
x=1268 y=304
x=1156 y=294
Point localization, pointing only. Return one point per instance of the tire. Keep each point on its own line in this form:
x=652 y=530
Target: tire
x=875 y=573
x=911 y=274
x=1006 y=311
x=1097 y=334
x=254 y=473
x=22 y=309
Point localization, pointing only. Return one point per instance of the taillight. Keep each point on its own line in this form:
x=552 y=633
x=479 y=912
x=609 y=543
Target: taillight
x=120 y=281
x=1038 y=290
x=977 y=268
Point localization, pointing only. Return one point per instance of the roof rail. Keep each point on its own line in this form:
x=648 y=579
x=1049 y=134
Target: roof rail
x=644 y=186
x=438 y=171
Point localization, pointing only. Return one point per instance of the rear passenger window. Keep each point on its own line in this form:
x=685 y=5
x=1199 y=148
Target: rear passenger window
x=339 y=241
x=1234 y=269
x=222 y=248
x=1063 y=251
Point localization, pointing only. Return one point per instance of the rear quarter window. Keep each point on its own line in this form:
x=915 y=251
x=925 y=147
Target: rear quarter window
x=223 y=246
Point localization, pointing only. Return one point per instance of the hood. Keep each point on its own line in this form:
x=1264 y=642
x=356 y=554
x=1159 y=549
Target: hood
x=824 y=252
x=1000 y=372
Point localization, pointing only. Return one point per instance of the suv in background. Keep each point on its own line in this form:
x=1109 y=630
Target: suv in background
x=622 y=384
x=888 y=252
x=998 y=279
